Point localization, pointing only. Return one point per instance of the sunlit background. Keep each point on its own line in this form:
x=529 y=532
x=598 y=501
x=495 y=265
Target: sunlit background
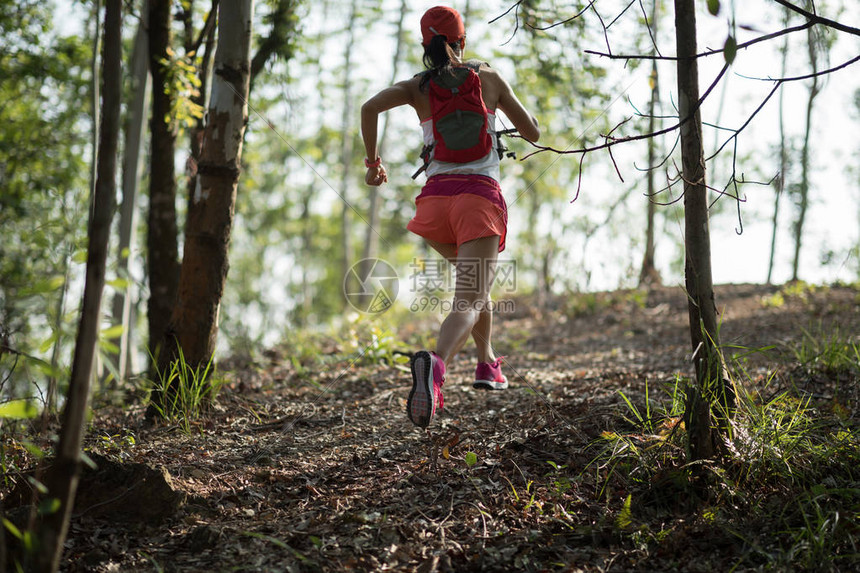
x=303 y=153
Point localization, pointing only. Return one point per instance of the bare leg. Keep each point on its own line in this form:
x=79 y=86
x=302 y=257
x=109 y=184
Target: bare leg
x=472 y=293
x=482 y=335
x=447 y=250
x=483 y=329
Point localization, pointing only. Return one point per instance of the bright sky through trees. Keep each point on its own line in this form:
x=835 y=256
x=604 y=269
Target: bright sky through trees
x=833 y=220
x=833 y=226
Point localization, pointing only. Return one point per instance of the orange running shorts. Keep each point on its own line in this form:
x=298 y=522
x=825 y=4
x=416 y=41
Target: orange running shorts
x=454 y=209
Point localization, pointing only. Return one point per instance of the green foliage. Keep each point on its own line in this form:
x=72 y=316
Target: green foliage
x=561 y=484
x=569 y=94
x=790 y=465
x=730 y=49
x=788 y=444
x=24 y=537
x=714 y=7
x=285 y=258
x=776 y=432
x=654 y=445
x=186 y=391
x=776 y=300
x=373 y=344
x=587 y=303
x=799 y=289
x=625 y=516
x=43 y=175
x=828 y=351
x=817 y=530
x=182 y=84
x=643 y=419
x=282 y=19
x=525 y=497
x=118 y=444
x=18 y=409
x=16 y=454
x=281 y=544
x=793 y=291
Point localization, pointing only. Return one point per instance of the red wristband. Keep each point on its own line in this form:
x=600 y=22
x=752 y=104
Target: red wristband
x=370 y=165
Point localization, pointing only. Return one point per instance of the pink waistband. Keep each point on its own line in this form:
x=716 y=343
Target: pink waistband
x=454 y=184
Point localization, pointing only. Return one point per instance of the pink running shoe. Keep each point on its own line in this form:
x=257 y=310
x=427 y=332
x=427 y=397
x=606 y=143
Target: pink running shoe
x=428 y=375
x=489 y=375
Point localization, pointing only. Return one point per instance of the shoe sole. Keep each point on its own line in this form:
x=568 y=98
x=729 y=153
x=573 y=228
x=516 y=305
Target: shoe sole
x=490 y=384
x=419 y=406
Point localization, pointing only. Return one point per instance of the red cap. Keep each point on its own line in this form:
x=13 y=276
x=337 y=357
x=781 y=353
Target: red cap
x=442 y=21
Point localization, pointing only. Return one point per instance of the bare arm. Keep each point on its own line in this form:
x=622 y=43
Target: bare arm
x=525 y=122
x=394 y=96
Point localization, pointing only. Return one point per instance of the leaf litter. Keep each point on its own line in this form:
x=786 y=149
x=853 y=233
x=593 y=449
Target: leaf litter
x=320 y=470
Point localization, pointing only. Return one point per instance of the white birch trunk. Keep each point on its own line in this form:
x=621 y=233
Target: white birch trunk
x=194 y=322
x=132 y=171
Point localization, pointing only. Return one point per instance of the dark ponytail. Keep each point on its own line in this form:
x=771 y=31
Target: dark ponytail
x=438 y=57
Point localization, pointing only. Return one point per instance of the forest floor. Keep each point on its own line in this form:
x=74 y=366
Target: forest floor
x=312 y=465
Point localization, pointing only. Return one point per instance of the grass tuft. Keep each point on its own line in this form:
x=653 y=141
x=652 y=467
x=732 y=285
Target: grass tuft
x=829 y=352
x=792 y=467
x=186 y=392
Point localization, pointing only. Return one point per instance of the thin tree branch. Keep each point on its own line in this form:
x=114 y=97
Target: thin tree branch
x=207 y=27
x=748 y=120
x=610 y=142
x=562 y=23
x=618 y=17
x=516 y=8
x=815 y=18
x=579 y=178
x=662 y=163
x=733 y=182
x=648 y=26
x=506 y=12
x=841 y=66
x=707 y=53
x=605 y=28
x=671 y=183
x=778 y=84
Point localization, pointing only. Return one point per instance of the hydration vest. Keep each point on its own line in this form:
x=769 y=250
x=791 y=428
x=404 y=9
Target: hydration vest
x=460 y=124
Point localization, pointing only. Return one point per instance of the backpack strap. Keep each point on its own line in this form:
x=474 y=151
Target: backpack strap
x=425 y=156
x=475 y=64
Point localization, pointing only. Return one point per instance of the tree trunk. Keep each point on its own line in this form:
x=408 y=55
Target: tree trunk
x=708 y=385
x=194 y=323
x=307 y=242
x=803 y=202
x=371 y=240
x=62 y=478
x=131 y=175
x=278 y=41
x=60 y=309
x=346 y=146
x=779 y=182
x=649 y=275
x=201 y=99
x=162 y=245
x=94 y=101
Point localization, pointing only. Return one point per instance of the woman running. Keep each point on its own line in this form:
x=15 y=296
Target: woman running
x=460 y=211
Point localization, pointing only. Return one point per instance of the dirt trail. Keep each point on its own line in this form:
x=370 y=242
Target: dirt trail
x=321 y=471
